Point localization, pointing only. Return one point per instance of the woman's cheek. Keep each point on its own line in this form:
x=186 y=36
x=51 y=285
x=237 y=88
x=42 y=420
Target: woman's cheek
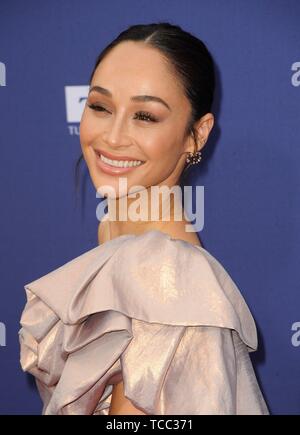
x=86 y=131
x=155 y=147
x=83 y=130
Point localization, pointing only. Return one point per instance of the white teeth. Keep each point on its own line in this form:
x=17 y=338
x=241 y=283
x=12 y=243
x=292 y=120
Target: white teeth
x=121 y=163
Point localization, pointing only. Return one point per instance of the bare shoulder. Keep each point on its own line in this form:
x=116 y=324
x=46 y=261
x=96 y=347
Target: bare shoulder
x=120 y=405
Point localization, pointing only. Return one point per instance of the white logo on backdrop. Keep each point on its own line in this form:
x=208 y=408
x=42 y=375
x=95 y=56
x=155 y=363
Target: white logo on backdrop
x=75 y=97
x=295 y=79
x=2 y=334
x=296 y=337
x=2 y=74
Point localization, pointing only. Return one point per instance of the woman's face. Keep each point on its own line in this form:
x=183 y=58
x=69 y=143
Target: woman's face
x=142 y=129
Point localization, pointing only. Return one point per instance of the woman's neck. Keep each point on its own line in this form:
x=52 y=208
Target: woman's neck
x=129 y=215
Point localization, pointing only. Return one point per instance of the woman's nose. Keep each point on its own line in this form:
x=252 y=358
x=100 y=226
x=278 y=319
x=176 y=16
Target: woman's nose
x=116 y=133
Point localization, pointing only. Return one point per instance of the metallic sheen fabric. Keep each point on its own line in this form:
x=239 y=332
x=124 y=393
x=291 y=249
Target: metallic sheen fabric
x=161 y=314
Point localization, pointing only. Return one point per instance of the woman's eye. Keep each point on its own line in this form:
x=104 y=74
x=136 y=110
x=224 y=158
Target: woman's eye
x=95 y=107
x=143 y=116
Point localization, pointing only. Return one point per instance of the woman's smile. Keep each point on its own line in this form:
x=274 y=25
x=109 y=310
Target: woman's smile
x=116 y=166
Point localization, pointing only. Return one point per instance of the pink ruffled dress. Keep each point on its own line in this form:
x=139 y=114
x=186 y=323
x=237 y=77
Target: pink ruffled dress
x=161 y=314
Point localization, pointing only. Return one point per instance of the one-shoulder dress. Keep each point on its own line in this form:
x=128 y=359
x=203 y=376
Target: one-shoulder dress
x=160 y=314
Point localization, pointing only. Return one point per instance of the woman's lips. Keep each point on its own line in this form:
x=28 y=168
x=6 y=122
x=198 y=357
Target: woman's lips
x=112 y=157
x=112 y=170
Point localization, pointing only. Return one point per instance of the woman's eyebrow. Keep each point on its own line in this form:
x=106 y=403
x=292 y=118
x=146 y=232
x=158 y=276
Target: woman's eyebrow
x=143 y=98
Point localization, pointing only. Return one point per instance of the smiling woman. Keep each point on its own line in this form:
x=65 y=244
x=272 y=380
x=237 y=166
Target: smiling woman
x=147 y=93
x=148 y=127
x=148 y=322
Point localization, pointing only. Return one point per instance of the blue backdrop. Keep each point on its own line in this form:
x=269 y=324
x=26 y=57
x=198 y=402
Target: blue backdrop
x=250 y=173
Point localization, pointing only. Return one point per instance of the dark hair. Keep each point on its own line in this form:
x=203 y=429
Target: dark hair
x=189 y=58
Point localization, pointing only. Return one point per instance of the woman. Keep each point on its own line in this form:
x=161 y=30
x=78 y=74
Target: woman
x=148 y=322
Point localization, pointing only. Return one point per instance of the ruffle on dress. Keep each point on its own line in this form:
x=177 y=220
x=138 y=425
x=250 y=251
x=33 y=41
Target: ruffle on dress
x=161 y=314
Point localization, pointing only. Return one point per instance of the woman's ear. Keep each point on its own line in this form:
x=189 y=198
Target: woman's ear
x=203 y=128
x=190 y=144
